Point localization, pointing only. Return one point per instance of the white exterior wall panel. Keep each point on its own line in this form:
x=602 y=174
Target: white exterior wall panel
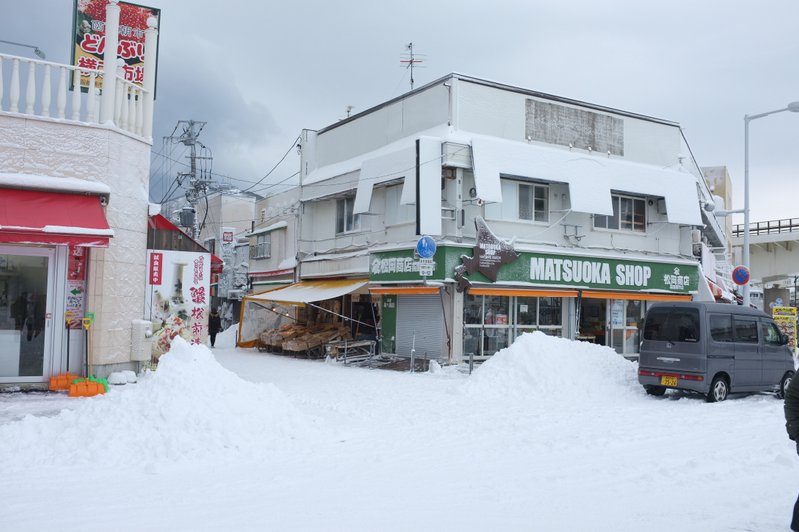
x=116 y=275
x=422 y=111
x=500 y=113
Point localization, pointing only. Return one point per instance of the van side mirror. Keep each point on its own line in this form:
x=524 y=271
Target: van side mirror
x=784 y=339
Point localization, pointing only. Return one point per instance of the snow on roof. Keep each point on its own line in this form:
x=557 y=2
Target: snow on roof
x=77 y=230
x=62 y=184
x=354 y=164
x=591 y=177
x=269 y=228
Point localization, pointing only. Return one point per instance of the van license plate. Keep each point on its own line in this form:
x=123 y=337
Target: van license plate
x=667 y=380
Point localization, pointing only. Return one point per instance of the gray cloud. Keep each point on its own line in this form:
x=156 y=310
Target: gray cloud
x=259 y=72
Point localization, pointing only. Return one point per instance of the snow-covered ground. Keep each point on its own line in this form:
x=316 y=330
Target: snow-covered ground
x=548 y=435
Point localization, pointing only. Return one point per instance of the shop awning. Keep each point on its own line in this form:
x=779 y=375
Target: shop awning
x=217 y=264
x=44 y=217
x=310 y=291
x=408 y=290
x=641 y=296
x=521 y=292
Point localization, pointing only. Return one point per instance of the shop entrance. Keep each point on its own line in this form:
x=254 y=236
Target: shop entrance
x=26 y=287
x=612 y=322
x=625 y=321
x=593 y=321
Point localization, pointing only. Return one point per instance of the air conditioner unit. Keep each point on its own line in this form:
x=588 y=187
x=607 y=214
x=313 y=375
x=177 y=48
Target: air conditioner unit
x=141 y=340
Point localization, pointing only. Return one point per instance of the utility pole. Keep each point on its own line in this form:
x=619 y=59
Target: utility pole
x=410 y=60
x=197 y=186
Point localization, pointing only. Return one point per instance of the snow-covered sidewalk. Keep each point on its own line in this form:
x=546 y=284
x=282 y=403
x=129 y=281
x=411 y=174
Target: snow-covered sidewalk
x=548 y=435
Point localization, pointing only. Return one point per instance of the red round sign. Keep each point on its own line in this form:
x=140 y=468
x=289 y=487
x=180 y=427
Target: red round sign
x=740 y=275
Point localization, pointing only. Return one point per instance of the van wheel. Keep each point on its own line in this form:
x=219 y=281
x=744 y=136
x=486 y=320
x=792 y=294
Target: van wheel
x=784 y=383
x=718 y=390
x=655 y=390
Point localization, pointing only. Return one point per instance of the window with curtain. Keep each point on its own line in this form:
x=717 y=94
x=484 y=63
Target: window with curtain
x=629 y=214
x=346 y=221
x=263 y=246
x=533 y=202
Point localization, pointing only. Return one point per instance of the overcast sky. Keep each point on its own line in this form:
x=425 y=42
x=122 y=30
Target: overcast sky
x=258 y=72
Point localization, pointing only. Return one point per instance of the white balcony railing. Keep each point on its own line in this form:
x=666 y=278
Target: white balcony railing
x=42 y=89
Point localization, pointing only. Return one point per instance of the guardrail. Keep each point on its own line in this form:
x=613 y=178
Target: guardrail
x=771 y=227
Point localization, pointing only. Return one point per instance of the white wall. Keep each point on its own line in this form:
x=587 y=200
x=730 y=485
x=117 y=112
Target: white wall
x=501 y=113
x=362 y=134
x=283 y=207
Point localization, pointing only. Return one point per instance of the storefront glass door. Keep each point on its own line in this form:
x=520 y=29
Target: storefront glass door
x=25 y=288
x=625 y=320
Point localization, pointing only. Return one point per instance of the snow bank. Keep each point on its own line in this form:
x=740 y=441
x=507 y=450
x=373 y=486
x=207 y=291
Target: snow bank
x=541 y=368
x=190 y=408
x=227 y=338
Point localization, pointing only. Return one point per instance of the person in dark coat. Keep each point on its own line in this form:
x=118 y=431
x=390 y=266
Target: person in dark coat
x=214 y=325
x=792 y=426
x=19 y=311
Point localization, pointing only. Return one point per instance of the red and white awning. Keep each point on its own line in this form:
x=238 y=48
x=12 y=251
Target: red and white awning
x=45 y=217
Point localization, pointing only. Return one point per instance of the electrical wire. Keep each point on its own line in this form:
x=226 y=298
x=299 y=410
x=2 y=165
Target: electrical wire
x=293 y=144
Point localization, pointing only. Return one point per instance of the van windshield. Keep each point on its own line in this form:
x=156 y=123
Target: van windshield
x=672 y=325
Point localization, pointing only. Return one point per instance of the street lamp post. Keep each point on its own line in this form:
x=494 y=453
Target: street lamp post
x=792 y=107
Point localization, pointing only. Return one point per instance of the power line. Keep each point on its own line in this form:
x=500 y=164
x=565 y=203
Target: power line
x=293 y=144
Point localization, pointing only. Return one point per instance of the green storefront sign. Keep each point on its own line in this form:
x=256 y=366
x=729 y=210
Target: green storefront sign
x=542 y=269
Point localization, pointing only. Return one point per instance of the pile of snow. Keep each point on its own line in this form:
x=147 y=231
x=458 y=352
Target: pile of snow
x=189 y=408
x=227 y=338
x=540 y=367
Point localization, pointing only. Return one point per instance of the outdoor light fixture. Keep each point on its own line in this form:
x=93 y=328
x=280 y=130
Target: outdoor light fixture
x=36 y=50
x=792 y=107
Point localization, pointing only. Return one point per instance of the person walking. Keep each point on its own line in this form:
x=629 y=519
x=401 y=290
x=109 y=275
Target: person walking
x=792 y=426
x=214 y=325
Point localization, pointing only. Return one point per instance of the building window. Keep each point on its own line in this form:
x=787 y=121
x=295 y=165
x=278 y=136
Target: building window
x=534 y=202
x=263 y=246
x=346 y=221
x=397 y=213
x=629 y=214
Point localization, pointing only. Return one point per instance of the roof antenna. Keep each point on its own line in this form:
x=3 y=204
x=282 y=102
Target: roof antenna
x=410 y=60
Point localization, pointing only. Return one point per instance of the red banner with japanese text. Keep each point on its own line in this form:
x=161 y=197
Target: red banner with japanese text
x=89 y=38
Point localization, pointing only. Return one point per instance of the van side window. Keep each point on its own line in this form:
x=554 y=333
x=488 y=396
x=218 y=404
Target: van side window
x=771 y=334
x=687 y=327
x=721 y=327
x=745 y=330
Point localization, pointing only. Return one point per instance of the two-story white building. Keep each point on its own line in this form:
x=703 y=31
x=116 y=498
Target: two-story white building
x=74 y=179
x=546 y=213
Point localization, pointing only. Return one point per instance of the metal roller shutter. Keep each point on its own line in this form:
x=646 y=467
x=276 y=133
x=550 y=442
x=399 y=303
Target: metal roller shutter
x=422 y=316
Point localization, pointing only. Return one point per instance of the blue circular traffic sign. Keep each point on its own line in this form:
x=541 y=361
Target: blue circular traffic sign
x=740 y=275
x=426 y=247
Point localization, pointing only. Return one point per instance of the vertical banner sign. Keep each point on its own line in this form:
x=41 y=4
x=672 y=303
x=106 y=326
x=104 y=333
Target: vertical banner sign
x=89 y=30
x=178 y=297
x=785 y=318
x=156 y=268
x=75 y=303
